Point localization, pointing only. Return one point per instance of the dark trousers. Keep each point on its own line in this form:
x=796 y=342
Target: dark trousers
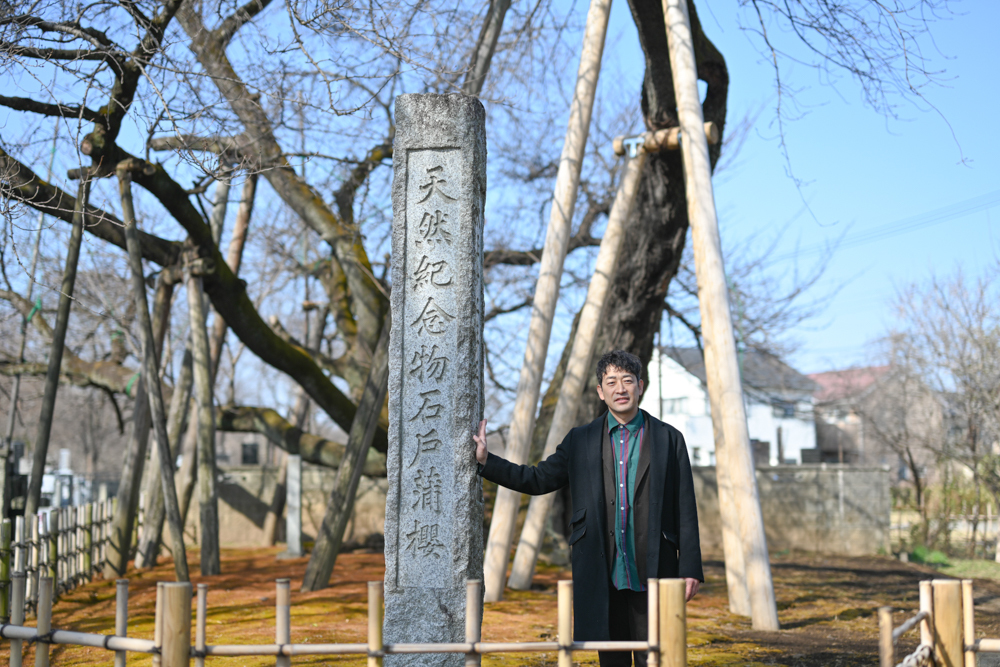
x=628 y=613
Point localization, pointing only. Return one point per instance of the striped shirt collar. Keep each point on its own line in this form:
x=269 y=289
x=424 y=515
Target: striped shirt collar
x=632 y=426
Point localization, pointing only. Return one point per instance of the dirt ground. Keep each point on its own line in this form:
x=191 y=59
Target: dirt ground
x=826 y=606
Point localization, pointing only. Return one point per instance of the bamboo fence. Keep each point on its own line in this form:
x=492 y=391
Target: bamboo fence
x=171 y=645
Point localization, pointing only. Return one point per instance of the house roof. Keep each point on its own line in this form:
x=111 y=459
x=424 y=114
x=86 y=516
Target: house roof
x=760 y=370
x=838 y=385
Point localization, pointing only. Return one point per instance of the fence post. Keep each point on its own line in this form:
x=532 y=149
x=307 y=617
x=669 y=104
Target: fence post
x=947 y=623
x=376 y=591
x=473 y=620
x=34 y=560
x=17 y=616
x=158 y=626
x=18 y=545
x=175 y=631
x=200 y=621
x=565 y=628
x=673 y=623
x=88 y=542
x=886 y=652
x=5 y=571
x=653 y=619
x=968 y=623
x=121 y=617
x=44 y=620
x=282 y=619
x=52 y=537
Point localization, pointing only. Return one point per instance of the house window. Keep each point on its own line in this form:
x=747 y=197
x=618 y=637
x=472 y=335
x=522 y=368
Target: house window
x=783 y=409
x=674 y=406
x=250 y=454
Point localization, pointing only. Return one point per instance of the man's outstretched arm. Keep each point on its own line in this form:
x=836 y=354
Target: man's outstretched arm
x=550 y=475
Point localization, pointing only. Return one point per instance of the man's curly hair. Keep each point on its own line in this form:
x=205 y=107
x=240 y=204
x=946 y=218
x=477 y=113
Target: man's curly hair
x=620 y=359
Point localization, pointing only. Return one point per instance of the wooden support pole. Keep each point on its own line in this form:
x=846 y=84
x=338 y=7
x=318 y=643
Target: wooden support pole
x=673 y=623
x=653 y=620
x=200 y=622
x=722 y=368
x=151 y=372
x=578 y=368
x=175 y=631
x=43 y=622
x=948 y=623
x=565 y=627
x=48 y=408
x=282 y=619
x=886 y=650
x=51 y=537
x=17 y=615
x=376 y=592
x=550 y=271
x=473 y=619
x=5 y=539
x=968 y=623
x=204 y=416
x=121 y=618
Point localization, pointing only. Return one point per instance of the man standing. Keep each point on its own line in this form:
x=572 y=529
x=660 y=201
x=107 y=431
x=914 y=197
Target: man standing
x=634 y=514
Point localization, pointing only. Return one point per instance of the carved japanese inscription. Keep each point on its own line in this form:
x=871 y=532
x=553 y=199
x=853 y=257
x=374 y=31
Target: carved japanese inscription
x=434 y=507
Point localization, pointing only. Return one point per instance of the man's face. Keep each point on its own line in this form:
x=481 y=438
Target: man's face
x=621 y=391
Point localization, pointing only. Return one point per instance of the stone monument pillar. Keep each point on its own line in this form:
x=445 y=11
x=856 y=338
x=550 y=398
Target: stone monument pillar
x=434 y=508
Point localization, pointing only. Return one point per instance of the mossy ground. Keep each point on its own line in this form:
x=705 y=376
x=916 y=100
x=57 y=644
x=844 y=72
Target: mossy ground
x=827 y=608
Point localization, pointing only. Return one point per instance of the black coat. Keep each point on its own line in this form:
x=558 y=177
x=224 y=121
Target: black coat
x=664 y=506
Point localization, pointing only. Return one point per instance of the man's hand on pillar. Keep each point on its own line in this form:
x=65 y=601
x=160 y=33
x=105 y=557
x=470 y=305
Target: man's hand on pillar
x=691 y=588
x=481 y=452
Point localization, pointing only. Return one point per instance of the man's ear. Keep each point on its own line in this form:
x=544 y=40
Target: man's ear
x=600 y=392
x=639 y=393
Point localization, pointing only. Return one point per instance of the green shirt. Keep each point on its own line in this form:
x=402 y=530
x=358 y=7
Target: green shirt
x=626 y=442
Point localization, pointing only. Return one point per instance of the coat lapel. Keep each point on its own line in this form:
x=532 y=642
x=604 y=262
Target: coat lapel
x=644 y=455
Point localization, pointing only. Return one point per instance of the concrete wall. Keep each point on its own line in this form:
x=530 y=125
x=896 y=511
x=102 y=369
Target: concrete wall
x=829 y=509
x=245 y=494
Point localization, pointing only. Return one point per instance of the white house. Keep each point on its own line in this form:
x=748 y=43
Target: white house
x=779 y=404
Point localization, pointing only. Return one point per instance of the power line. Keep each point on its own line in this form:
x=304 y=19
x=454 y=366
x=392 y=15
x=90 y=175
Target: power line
x=950 y=212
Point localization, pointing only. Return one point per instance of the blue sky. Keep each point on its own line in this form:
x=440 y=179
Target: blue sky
x=860 y=171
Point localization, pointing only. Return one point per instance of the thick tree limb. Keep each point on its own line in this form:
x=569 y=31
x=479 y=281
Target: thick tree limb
x=368 y=303
x=46 y=109
x=224 y=33
x=20 y=183
x=285 y=436
x=227 y=292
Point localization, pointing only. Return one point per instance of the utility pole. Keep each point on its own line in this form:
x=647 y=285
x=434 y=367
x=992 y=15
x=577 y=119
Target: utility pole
x=735 y=460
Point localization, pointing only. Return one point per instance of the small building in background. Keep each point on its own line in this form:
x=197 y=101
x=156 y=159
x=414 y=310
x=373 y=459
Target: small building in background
x=779 y=405
x=840 y=427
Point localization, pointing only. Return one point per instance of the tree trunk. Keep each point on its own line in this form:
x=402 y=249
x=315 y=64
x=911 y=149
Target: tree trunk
x=151 y=372
x=345 y=487
x=577 y=369
x=56 y=352
x=300 y=413
x=208 y=500
x=482 y=54
x=508 y=502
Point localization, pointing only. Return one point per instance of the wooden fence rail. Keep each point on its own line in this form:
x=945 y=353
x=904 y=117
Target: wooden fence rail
x=171 y=644
x=66 y=544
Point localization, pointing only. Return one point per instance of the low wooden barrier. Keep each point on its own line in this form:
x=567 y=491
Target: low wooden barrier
x=171 y=644
x=66 y=544
x=947 y=628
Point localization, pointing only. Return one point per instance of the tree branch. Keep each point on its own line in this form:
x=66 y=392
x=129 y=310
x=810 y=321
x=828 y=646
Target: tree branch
x=224 y=33
x=281 y=433
x=46 y=109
